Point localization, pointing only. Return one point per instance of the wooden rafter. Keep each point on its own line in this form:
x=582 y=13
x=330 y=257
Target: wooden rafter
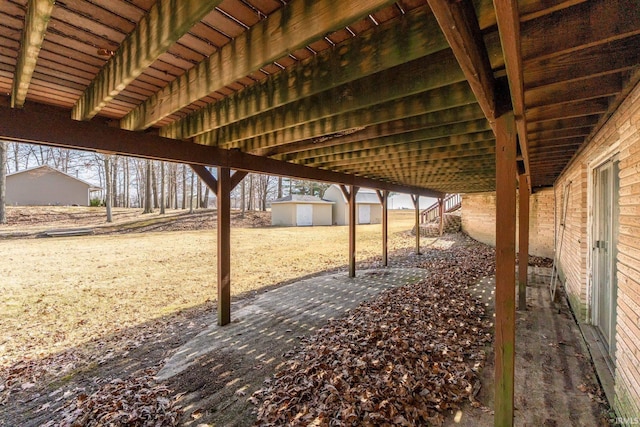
x=287 y=29
x=51 y=126
x=460 y=26
x=35 y=27
x=166 y=22
x=349 y=61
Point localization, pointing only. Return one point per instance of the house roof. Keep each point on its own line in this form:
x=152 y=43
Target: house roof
x=299 y=198
x=399 y=95
x=50 y=169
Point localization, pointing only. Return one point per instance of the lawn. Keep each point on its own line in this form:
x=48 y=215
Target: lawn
x=59 y=293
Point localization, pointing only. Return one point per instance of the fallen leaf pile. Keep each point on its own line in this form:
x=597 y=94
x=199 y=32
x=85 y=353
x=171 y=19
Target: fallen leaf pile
x=408 y=357
x=135 y=401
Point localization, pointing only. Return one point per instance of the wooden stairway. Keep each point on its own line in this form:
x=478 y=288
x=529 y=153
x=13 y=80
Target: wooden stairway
x=452 y=202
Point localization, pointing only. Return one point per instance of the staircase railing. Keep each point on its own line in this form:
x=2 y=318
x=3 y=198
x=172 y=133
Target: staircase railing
x=452 y=202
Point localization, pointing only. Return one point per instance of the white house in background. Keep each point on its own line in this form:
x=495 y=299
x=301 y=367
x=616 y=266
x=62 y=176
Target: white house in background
x=46 y=186
x=368 y=207
x=298 y=210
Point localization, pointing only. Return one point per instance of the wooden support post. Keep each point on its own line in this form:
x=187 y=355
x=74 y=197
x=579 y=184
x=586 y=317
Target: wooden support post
x=416 y=204
x=224 y=246
x=441 y=213
x=523 y=240
x=505 y=308
x=353 y=190
x=384 y=200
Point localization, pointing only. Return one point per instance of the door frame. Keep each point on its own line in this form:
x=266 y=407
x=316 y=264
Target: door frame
x=611 y=156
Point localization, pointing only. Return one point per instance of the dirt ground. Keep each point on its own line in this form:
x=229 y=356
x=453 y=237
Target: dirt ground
x=31 y=222
x=40 y=391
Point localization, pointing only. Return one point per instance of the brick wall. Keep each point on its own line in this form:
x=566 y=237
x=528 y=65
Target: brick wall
x=479 y=220
x=620 y=137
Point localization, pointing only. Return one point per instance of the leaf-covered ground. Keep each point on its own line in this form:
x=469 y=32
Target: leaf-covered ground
x=407 y=357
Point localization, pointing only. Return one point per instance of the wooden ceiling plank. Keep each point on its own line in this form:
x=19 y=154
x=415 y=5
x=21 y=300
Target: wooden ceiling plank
x=165 y=23
x=349 y=61
x=591 y=23
x=35 y=27
x=443 y=136
x=291 y=27
x=460 y=26
x=40 y=124
x=401 y=157
x=568 y=110
x=615 y=56
x=476 y=161
x=394 y=127
x=443 y=98
x=583 y=89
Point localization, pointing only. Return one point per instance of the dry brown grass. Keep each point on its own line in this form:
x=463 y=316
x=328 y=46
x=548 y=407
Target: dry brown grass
x=59 y=293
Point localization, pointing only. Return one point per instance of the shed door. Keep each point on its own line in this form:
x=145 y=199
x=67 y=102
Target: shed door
x=364 y=214
x=604 y=243
x=304 y=215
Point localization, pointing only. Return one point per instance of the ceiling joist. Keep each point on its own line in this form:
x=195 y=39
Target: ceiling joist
x=294 y=26
x=166 y=22
x=35 y=27
x=346 y=62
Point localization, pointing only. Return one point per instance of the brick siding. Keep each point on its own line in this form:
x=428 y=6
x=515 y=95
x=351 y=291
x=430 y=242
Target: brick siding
x=619 y=136
x=479 y=220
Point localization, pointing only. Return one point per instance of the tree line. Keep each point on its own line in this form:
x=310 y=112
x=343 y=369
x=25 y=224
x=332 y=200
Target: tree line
x=129 y=182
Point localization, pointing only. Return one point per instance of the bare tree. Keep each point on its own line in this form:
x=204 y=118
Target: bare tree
x=162 y=185
x=108 y=184
x=184 y=186
x=279 y=187
x=3 y=182
x=148 y=203
x=191 y=198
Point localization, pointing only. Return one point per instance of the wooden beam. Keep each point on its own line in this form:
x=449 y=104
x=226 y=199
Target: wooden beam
x=291 y=27
x=165 y=23
x=224 y=246
x=508 y=20
x=441 y=213
x=394 y=127
x=40 y=124
x=330 y=107
x=353 y=220
x=348 y=61
x=505 y=270
x=416 y=204
x=523 y=241
x=237 y=177
x=460 y=26
x=35 y=27
x=206 y=177
x=383 y=196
